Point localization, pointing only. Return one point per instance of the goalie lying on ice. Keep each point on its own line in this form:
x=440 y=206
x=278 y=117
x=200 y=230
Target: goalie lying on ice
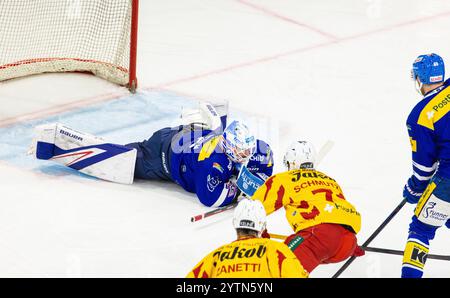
x=201 y=158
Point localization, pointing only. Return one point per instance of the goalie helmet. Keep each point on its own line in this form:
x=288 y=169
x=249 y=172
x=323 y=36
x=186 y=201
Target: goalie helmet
x=250 y=214
x=300 y=155
x=238 y=143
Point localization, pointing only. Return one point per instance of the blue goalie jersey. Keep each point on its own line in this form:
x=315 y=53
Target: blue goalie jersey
x=199 y=165
x=429 y=132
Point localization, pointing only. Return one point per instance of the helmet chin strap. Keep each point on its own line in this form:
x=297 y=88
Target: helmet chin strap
x=418 y=86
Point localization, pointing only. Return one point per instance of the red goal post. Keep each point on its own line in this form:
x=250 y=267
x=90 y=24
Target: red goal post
x=95 y=36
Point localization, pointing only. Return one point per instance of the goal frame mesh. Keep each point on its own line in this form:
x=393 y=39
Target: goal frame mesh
x=124 y=75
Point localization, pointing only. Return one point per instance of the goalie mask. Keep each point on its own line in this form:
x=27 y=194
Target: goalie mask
x=300 y=155
x=238 y=143
x=251 y=215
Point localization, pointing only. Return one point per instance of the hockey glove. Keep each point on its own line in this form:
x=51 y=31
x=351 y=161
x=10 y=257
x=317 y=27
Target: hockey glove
x=412 y=192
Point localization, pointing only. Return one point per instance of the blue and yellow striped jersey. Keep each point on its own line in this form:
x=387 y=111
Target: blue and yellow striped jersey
x=429 y=132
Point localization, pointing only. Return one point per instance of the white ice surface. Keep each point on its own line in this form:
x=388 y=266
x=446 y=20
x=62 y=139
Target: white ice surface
x=317 y=70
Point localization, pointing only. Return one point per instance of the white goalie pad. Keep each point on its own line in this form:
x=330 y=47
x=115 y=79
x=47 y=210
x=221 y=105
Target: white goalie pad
x=83 y=152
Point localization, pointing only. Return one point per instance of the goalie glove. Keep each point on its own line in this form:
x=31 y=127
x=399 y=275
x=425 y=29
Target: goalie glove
x=247 y=182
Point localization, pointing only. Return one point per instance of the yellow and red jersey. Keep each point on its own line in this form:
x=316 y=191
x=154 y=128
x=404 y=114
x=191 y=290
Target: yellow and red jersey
x=310 y=198
x=250 y=258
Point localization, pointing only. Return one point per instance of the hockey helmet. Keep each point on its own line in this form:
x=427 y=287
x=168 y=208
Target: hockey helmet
x=250 y=214
x=429 y=69
x=300 y=155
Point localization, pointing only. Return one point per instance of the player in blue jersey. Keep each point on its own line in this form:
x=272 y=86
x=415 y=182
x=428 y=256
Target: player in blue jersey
x=203 y=161
x=201 y=157
x=429 y=187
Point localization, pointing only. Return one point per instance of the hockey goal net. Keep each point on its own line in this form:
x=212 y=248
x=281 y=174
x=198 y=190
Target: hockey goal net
x=96 y=36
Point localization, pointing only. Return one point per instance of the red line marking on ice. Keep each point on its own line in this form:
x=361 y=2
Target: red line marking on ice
x=297 y=51
x=237 y=66
x=111 y=96
x=286 y=19
x=61 y=108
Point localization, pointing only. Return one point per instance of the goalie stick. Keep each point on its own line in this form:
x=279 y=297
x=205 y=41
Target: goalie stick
x=213 y=212
x=320 y=156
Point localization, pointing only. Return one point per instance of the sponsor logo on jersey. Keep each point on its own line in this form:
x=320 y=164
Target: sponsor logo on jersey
x=441 y=104
x=257 y=157
x=241 y=253
x=218 y=167
x=309 y=174
x=346 y=209
x=212 y=182
x=295 y=242
x=70 y=135
x=253 y=169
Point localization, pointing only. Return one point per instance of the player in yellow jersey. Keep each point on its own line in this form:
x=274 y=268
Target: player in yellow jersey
x=324 y=223
x=249 y=256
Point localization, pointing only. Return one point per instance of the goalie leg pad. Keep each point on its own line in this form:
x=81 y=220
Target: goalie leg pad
x=85 y=153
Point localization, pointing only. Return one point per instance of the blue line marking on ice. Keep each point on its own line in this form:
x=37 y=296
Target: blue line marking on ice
x=121 y=121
